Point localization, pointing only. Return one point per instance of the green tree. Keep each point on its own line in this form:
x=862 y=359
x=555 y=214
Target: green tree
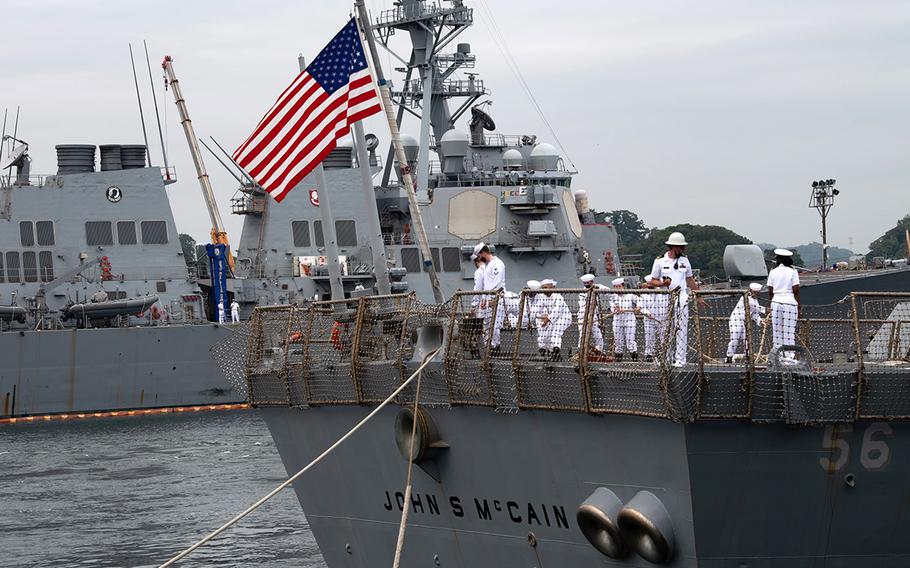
x=629 y=227
x=892 y=244
x=705 y=251
x=188 y=244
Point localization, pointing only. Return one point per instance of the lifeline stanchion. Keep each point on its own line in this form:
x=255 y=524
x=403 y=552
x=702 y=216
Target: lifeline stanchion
x=294 y=477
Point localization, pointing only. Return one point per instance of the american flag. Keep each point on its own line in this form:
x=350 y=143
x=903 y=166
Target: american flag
x=303 y=126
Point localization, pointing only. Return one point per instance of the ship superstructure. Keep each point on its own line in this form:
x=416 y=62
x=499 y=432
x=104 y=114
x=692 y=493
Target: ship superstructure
x=514 y=192
x=98 y=310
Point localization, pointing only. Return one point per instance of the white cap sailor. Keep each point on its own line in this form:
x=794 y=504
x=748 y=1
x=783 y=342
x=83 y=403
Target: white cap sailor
x=479 y=247
x=533 y=285
x=755 y=287
x=587 y=280
x=782 y=252
x=548 y=283
x=618 y=282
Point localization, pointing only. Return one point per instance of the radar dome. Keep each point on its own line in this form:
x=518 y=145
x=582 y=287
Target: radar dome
x=411 y=147
x=544 y=157
x=455 y=142
x=512 y=159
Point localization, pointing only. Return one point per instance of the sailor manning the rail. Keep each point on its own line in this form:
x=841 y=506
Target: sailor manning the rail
x=673 y=271
x=783 y=291
x=624 y=308
x=220 y=312
x=510 y=301
x=737 y=322
x=553 y=318
x=597 y=336
x=235 y=312
x=529 y=317
x=494 y=279
x=479 y=266
x=653 y=307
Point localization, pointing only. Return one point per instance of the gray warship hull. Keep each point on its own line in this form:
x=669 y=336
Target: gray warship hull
x=739 y=493
x=93 y=370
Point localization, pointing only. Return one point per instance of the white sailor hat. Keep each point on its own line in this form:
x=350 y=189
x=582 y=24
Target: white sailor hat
x=618 y=281
x=587 y=278
x=755 y=287
x=479 y=247
x=548 y=282
x=783 y=252
x=473 y=257
x=510 y=294
x=533 y=284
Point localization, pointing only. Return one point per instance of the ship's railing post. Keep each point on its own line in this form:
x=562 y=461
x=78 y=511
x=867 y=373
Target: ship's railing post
x=405 y=332
x=749 y=380
x=450 y=338
x=860 y=371
x=516 y=351
x=285 y=369
x=355 y=349
x=590 y=300
x=307 y=357
x=670 y=343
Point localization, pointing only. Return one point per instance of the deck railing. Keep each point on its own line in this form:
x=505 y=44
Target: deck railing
x=637 y=352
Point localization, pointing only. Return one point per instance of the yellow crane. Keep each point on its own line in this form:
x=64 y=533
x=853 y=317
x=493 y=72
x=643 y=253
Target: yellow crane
x=219 y=235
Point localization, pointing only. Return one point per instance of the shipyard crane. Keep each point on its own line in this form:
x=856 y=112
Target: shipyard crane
x=219 y=235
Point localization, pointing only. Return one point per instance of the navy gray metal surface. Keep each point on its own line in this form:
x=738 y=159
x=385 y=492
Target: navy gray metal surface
x=99 y=311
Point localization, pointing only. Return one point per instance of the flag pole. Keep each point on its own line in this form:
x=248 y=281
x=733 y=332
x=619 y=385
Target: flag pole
x=386 y=96
x=380 y=262
x=329 y=239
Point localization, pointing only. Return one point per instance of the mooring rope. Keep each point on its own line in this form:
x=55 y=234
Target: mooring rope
x=399 y=546
x=294 y=477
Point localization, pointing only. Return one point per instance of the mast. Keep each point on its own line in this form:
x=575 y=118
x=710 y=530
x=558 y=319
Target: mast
x=414 y=206
x=219 y=235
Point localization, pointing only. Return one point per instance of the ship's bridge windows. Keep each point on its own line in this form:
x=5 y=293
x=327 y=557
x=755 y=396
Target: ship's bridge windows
x=300 y=232
x=12 y=267
x=154 y=232
x=126 y=232
x=46 y=265
x=345 y=233
x=27 y=233
x=98 y=233
x=45 y=232
x=30 y=266
x=410 y=259
x=451 y=259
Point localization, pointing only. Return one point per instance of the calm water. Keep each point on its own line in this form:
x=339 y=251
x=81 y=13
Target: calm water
x=135 y=491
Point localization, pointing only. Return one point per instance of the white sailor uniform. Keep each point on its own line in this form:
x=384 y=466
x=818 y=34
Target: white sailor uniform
x=597 y=336
x=784 y=308
x=677 y=270
x=737 y=324
x=494 y=278
x=624 y=322
x=553 y=318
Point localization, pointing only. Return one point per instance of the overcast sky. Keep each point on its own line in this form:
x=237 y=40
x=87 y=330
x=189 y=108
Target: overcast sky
x=708 y=112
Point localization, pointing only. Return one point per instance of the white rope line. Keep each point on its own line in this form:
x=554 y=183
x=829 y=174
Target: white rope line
x=399 y=546
x=294 y=477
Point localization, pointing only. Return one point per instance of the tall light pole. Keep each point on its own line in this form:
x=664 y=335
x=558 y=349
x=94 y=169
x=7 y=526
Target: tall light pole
x=822 y=199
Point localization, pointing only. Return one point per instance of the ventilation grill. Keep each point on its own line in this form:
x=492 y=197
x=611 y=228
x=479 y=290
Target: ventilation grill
x=154 y=233
x=126 y=232
x=300 y=230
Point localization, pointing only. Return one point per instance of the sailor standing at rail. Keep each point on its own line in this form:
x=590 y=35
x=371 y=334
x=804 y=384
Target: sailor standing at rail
x=738 y=319
x=783 y=291
x=553 y=318
x=653 y=307
x=479 y=266
x=529 y=317
x=624 y=308
x=597 y=336
x=494 y=279
x=510 y=299
x=235 y=312
x=220 y=312
x=674 y=272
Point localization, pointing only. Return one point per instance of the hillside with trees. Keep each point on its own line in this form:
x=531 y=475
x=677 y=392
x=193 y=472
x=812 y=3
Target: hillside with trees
x=892 y=244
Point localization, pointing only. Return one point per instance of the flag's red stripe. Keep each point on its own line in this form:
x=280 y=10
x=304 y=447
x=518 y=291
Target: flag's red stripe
x=276 y=108
x=276 y=127
x=328 y=126
x=292 y=183
x=302 y=131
